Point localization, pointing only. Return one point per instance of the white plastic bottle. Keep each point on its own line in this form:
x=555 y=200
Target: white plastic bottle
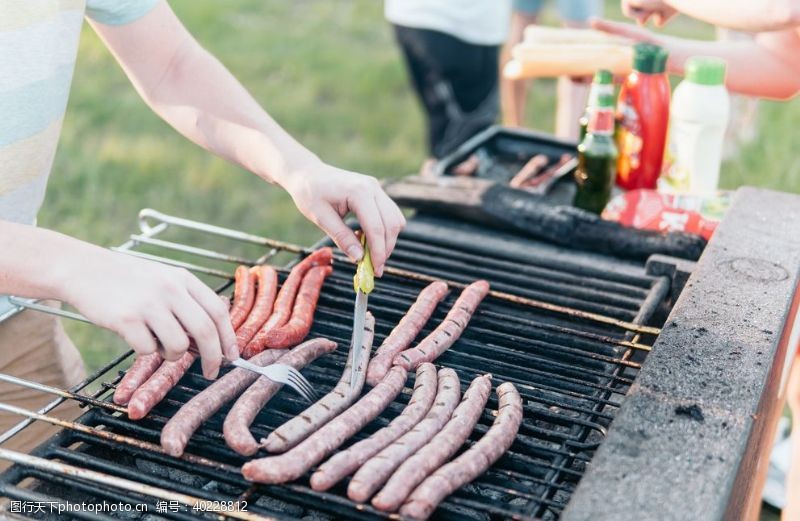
x=699 y=114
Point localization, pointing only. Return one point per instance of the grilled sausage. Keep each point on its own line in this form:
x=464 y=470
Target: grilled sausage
x=530 y=170
x=346 y=462
x=406 y=330
x=298 y=428
x=149 y=394
x=298 y=327
x=137 y=374
x=236 y=427
x=430 y=457
x=282 y=309
x=472 y=463
x=244 y=293
x=267 y=282
x=296 y=462
x=179 y=429
x=446 y=333
x=377 y=469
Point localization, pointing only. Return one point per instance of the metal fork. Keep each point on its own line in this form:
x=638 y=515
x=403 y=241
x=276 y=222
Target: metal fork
x=279 y=373
x=283 y=374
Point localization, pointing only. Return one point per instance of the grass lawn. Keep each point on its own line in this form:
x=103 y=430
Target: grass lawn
x=330 y=73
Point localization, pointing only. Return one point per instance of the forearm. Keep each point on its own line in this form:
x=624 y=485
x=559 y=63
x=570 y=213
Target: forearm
x=742 y=15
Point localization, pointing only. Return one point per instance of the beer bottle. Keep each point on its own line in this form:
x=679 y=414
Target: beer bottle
x=597 y=158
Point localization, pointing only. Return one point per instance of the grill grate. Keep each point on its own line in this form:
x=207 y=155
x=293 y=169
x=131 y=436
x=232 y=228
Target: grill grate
x=572 y=367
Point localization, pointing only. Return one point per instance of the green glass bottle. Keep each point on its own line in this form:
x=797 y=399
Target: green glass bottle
x=603 y=83
x=597 y=158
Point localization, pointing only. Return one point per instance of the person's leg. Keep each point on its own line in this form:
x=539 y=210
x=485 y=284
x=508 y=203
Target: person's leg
x=792 y=510
x=514 y=92
x=572 y=95
x=35 y=347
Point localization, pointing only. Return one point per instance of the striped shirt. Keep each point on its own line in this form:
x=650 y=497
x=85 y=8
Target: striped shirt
x=38 y=48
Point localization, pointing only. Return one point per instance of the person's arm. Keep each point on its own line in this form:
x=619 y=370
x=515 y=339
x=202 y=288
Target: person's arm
x=142 y=301
x=768 y=66
x=196 y=94
x=740 y=15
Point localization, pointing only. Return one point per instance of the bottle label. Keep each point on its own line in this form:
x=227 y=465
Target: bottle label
x=601 y=121
x=629 y=141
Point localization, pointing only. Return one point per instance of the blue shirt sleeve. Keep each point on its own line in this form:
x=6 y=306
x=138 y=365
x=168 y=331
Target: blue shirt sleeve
x=118 y=12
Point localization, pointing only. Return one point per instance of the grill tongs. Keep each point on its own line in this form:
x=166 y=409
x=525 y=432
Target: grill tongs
x=279 y=373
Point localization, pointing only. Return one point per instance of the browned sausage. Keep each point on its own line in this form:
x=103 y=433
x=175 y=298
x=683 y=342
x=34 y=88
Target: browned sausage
x=406 y=330
x=282 y=309
x=296 y=462
x=179 y=429
x=530 y=170
x=472 y=463
x=149 y=394
x=348 y=461
x=137 y=374
x=377 y=469
x=244 y=293
x=267 y=282
x=446 y=333
x=441 y=447
x=236 y=428
x=297 y=328
x=298 y=428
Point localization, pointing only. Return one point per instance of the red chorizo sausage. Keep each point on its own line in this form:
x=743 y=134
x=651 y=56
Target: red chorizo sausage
x=446 y=333
x=267 y=282
x=441 y=447
x=179 y=429
x=298 y=428
x=244 y=293
x=348 y=461
x=236 y=427
x=157 y=386
x=296 y=462
x=137 y=374
x=377 y=469
x=282 y=309
x=297 y=328
x=472 y=463
x=406 y=330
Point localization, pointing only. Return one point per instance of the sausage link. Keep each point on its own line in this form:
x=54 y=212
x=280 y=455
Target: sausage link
x=149 y=394
x=348 y=461
x=137 y=374
x=267 y=282
x=472 y=463
x=406 y=330
x=298 y=327
x=377 y=469
x=179 y=429
x=446 y=333
x=244 y=293
x=441 y=447
x=318 y=414
x=296 y=462
x=281 y=311
x=236 y=427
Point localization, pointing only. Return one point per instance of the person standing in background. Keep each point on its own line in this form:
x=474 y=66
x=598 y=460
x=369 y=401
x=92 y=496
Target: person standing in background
x=451 y=50
x=571 y=95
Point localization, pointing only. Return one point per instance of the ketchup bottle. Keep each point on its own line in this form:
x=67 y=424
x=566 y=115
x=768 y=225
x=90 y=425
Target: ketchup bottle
x=642 y=117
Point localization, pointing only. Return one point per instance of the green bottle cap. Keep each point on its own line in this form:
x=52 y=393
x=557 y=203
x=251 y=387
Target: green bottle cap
x=605 y=101
x=603 y=77
x=649 y=58
x=705 y=70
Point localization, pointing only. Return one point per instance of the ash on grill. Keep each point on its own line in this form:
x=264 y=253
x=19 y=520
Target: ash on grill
x=568 y=328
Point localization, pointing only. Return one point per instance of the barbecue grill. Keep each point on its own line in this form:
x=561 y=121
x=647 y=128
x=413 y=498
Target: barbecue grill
x=570 y=328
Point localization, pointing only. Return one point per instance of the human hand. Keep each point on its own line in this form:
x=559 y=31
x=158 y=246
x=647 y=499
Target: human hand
x=325 y=194
x=644 y=10
x=632 y=32
x=146 y=302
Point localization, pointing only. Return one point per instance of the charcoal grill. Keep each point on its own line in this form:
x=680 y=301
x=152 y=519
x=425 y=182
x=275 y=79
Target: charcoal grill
x=571 y=329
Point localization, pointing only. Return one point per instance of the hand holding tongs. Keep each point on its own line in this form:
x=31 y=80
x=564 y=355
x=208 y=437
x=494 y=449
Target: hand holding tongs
x=278 y=373
x=363 y=283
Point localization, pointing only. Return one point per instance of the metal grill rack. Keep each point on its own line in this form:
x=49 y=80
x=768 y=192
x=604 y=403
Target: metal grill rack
x=568 y=328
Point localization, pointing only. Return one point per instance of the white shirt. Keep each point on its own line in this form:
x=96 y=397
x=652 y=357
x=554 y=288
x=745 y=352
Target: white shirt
x=482 y=22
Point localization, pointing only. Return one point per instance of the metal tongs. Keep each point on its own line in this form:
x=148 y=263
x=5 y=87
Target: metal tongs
x=279 y=373
x=363 y=283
